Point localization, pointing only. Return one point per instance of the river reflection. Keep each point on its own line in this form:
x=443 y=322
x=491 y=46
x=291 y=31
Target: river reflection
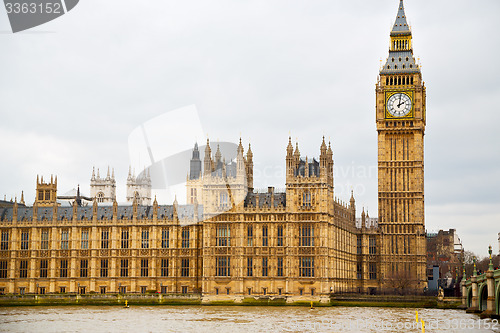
x=236 y=319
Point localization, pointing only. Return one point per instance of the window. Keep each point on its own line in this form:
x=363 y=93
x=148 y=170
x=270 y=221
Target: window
x=41 y=290
x=123 y=269
x=264 y=291
x=164 y=289
x=185 y=267
x=104 y=239
x=145 y=239
x=312 y=291
x=62 y=290
x=44 y=264
x=22 y=290
x=280 y=266
x=104 y=267
x=307 y=235
x=144 y=267
x=264 y=236
x=373 y=271
x=44 y=245
x=184 y=289
x=264 y=266
x=81 y=290
x=63 y=268
x=100 y=197
x=103 y=289
x=359 y=245
x=306 y=266
x=165 y=241
x=185 y=238
x=373 y=245
x=23 y=269
x=249 y=291
x=122 y=289
x=84 y=266
x=124 y=241
x=306 y=199
x=280 y=291
x=249 y=266
x=222 y=266
x=359 y=271
x=223 y=235
x=85 y=239
x=216 y=291
x=143 y=289
x=193 y=195
x=249 y=235
x=280 y=236
x=64 y=239
x=3 y=269
x=223 y=202
x=4 y=244
x=164 y=267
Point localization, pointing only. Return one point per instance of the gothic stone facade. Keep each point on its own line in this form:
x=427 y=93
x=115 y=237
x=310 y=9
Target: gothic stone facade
x=232 y=241
x=301 y=243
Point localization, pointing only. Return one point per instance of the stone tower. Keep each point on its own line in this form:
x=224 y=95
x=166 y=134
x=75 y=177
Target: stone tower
x=103 y=189
x=308 y=181
x=139 y=188
x=400 y=118
x=46 y=193
x=194 y=183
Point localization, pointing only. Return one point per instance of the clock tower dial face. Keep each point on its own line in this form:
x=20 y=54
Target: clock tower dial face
x=399 y=105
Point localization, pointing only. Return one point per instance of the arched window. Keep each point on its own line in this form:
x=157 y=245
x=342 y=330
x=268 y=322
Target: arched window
x=223 y=199
x=306 y=199
x=100 y=197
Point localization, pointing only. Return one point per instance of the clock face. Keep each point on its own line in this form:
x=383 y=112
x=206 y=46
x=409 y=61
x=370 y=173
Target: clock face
x=399 y=105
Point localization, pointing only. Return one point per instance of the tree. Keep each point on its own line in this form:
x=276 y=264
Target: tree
x=402 y=283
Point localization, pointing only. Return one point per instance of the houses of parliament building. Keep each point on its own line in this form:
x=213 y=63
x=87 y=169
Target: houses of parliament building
x=230 y=241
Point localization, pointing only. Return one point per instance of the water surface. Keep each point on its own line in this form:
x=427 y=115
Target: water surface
x=237 y=319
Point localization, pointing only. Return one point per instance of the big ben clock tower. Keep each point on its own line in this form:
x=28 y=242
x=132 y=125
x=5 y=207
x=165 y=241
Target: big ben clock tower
x=400 y=116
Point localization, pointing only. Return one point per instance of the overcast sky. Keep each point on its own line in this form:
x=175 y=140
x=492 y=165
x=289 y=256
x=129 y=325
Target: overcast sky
x=72 y=90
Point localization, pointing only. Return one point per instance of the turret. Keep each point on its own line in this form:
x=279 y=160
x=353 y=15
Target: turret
x=207 y=162
x=249 y=167
x=195 y=164
x=240 y=160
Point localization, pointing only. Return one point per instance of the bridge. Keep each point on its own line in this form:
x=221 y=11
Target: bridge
x=481 y=293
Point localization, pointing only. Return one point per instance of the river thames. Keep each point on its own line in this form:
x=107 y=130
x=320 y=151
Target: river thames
x=237 y=319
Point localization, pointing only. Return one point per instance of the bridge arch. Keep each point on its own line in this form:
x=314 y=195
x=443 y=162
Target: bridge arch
x=497 y=299
x=483 y=297
x=469 y=297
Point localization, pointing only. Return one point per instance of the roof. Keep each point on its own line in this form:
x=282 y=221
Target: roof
x=401 y=26
x=400 y=62
x=104 y=212
x=265 y=199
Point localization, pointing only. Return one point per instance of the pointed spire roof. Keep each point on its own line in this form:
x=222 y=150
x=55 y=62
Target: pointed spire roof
x=401 y=26
x=289 y=148
x=218 y=154
x=323 y=146
x=400 y=59
x=240 y=148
